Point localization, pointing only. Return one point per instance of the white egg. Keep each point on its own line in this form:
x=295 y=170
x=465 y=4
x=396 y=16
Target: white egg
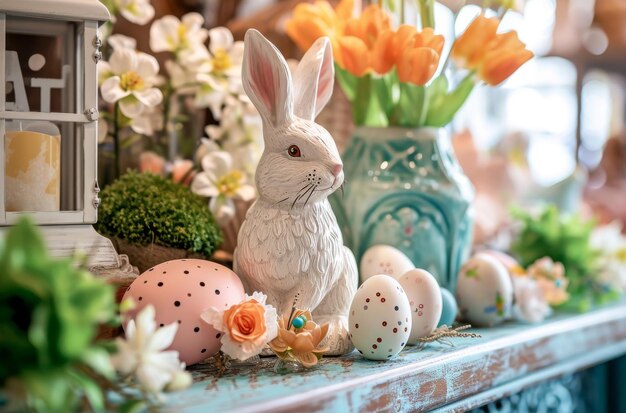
x=384 y=259
x=424 y=297
x=380 y=318
x=484 y=291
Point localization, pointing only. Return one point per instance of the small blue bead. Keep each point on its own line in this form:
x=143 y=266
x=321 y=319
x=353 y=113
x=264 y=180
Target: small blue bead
x=298 y=322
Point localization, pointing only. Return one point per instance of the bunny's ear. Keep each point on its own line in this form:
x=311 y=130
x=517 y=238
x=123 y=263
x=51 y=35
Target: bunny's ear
x=266 y=79
x=313 y=80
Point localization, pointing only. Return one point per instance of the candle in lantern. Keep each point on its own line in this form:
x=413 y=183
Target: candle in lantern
x=33 y=171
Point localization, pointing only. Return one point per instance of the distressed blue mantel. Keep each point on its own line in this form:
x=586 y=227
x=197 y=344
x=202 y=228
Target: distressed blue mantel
x=505 y=361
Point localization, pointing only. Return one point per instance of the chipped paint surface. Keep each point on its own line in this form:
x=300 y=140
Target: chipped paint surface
x=416 y=380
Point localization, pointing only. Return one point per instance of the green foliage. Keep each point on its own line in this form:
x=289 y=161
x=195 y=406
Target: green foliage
x=146 y=208
x=49 y=317
x=564 y=238
x=383 y=100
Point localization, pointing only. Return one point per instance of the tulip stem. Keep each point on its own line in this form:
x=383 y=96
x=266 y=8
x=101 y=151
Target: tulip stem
x=427 y=13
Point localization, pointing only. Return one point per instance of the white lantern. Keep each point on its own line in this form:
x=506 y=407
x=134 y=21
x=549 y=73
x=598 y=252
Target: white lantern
x=49 y=50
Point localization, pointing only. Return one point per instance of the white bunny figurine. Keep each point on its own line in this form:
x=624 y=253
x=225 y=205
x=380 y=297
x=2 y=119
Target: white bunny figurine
x=290 y=243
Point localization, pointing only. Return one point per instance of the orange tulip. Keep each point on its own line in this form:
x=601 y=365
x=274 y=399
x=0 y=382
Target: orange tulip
x=418 y=65
x=312 y=21
x=383 y=55
x=369 y=25
x=428 y=38
x=470 y=48
x=494 y=56
x=417 y=54
x=504 y=56
x=352 y=55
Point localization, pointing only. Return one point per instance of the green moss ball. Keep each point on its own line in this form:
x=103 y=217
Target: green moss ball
x=143 y=208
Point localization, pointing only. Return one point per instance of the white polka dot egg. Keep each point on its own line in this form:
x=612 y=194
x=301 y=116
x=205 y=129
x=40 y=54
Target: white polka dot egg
x=380 y=318
x=180 y=290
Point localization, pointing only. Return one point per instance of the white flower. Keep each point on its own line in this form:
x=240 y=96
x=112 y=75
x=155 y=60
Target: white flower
x=608 y=239
x=530 y=304
x=184 y=37
x=119 y=41
x=211 y=93
x=142 y=354
x=133 y=75
x=149 y=121
x=240 y=133
x=135 y=11
x=226 y=54
x=222 y=183
x=243 y=320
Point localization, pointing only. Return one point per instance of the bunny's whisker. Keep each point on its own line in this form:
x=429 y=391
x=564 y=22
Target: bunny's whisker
x=281 y=201
x=309 y=197
x=301 y=194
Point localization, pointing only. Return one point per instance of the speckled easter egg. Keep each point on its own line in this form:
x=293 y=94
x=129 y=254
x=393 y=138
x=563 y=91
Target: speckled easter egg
x=484 y=292
x=384 y=259
x=449 y=308
x=380 y=318
x=424 y=297
x=510 y=263
x=180 y=290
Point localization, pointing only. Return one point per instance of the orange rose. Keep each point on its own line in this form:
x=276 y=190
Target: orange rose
x=246 y=321
x=182 y=170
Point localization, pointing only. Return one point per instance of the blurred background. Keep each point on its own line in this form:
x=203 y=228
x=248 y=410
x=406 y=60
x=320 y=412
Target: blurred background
x=559 y=117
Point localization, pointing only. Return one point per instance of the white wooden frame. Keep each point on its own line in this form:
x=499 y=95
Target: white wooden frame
x=85 y=123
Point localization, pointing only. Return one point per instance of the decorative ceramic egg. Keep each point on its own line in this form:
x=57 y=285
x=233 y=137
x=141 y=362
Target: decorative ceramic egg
x=424 y=297
x=510 y=263
x=180 y=291
x=384 y=259
x=484 y=292
x=380 y=318
x=449 y=308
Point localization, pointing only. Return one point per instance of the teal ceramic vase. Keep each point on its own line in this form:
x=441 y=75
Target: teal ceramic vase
x=405 y=188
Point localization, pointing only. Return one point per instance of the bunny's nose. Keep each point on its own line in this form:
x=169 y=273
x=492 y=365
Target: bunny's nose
x=336 y=170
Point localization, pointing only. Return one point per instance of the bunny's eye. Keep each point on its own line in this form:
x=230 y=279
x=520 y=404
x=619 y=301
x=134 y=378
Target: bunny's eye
x=294 y=151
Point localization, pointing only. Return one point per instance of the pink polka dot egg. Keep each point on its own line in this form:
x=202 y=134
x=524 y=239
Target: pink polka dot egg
x=180 y=290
